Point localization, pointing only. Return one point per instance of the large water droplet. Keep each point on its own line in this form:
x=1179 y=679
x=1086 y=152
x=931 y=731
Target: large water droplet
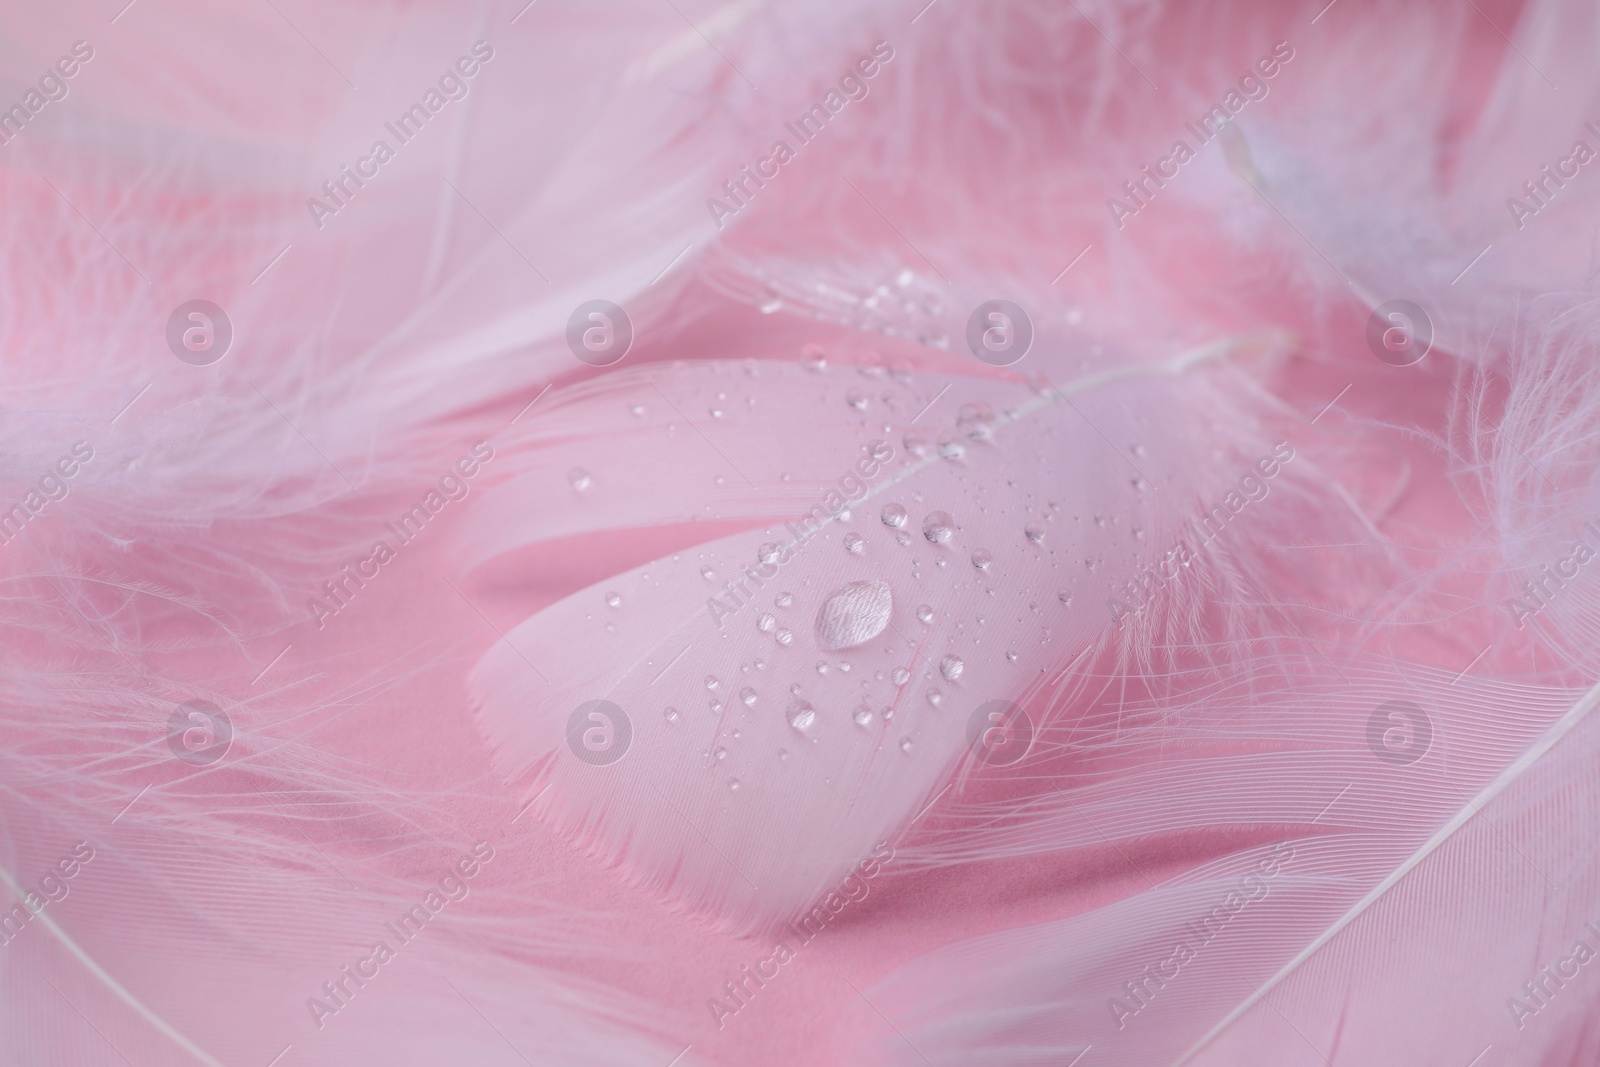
x=951 y=667
x=801 y=715
x=894 y=515
x=938 y=527
x=976 y=421
x=854 y=614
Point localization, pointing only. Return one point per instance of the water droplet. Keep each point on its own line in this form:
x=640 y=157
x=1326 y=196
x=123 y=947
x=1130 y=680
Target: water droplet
x=711 y=681
x=863 y=716
x=925 y=613
x=951 y=667
x=822 y=668
x=765 y=623
x=856 y=399
x=812 y=358
x=784 y=637
x=1064 y=596
x=916 y=444
x=904 y=278
x=854 y=542
x=1011 y=656
x=901 y=676
x=1034 y=532
x=769 y=552
x=894 y=515
x=708 y=574
x=579 y=478
x=934 y=697
x=903 y=537
x=784 y=600
x=854 y=614
x=715 y=413
x=733 y=784
x=801 y=715
x=613 y=599
x=770 y=306
x=982 y=559
x=976 y=421
x=905 y=744
x=671 y=714
x=938 y=527
x=748 y=695
x=636 y=410
x=721 y=753
x=952 y=448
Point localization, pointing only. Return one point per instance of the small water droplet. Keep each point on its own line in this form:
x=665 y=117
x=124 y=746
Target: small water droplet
x=770 y=306
x=925 y=613
x=579 y=478
x=951 y=667
x=856 y=399
x=1011 y=656
x=902 y=537
x=769 y=552
x=938 y=527
x=822 y=668
x=784 y=637
x=952 y=448
x=934 y=697
x=863 y=716
x=784 y=600
x=765 y=623
x=894 y=515
x=982 y=559
x=905 y=744
x=671 y=714
x=812 y=358
x=1034 y=532
x=708 y=574
x=916 y=444
x=636 y=410
x=901 y=676
x=854 y=542
x=748 y=695
x=711 y=681
x=733 y=784
x=613 y=599
x=721 y=753
x=1064 y=596
x=715 y=413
